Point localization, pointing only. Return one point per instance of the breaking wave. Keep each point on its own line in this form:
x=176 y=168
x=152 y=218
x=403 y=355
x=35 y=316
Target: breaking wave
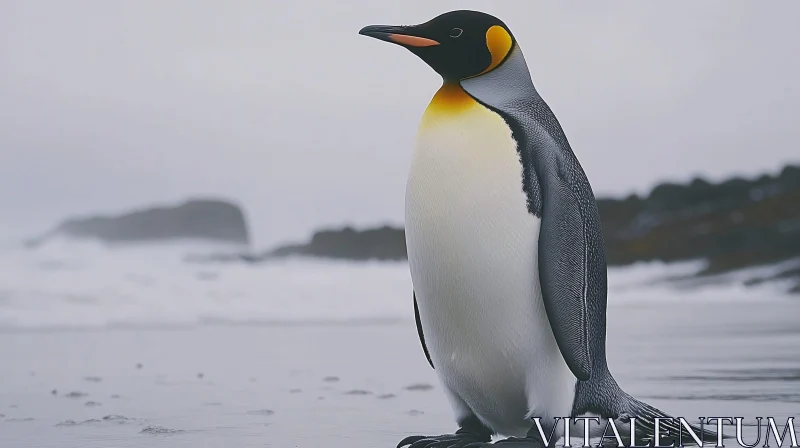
x=82 y=285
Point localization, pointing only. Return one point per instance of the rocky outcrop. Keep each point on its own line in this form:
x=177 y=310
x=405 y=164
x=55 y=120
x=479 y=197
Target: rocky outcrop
x=734 y=224
x=383 y=243
x=199 y=219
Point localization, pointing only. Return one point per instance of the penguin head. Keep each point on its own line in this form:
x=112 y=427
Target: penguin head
x=457 y=44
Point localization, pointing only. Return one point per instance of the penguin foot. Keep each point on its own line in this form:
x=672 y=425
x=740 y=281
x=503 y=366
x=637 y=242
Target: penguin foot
x=527 y=442
x=457 y=440
x=511 y=442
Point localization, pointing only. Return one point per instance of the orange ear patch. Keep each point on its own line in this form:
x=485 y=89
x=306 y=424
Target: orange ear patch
x=499 y=43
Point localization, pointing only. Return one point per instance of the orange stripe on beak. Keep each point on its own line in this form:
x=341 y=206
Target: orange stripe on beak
x=412 y=41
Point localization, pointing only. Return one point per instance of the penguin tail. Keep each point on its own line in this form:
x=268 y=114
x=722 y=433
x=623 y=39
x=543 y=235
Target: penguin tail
x=669 y=427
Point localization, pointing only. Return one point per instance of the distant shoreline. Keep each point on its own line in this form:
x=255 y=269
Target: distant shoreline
x=734 y=224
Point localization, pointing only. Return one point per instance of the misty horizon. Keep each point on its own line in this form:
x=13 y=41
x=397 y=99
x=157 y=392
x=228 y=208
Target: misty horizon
x=108 y=107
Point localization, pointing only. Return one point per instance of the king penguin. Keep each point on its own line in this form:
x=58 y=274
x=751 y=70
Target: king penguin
x=505 y=248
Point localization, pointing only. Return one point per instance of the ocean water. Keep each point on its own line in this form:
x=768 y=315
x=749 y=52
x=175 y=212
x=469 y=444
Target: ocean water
x=89 y=285
x=78 y=285
x=136 y=347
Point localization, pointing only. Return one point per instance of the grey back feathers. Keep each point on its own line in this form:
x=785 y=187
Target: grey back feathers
x=572 y=263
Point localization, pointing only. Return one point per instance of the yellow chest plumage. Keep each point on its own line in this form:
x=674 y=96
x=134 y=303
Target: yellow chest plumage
x=464 y=155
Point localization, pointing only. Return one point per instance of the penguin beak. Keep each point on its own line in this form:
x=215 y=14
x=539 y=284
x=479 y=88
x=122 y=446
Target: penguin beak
x=401 y=35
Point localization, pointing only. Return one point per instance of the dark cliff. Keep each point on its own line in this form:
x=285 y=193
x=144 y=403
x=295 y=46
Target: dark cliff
x=199 y=219
x=383 y=243
x=733 y=224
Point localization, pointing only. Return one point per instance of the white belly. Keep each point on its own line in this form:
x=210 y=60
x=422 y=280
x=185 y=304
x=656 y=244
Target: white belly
x=473 y=259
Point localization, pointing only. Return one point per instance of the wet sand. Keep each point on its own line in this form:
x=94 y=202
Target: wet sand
x=360 y=384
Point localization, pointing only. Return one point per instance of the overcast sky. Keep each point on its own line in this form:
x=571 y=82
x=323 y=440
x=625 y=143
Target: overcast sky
x=282 y=106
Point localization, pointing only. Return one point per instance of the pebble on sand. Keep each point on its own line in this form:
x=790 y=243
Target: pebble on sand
x=158 y=429
x=118 y=419
x=261 y=412
x=67 y=423
x=358 y=392
x=419 y=387
x=76 y=394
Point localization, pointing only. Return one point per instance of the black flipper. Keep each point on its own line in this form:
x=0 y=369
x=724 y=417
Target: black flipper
x=564 y=273
x=419 y=330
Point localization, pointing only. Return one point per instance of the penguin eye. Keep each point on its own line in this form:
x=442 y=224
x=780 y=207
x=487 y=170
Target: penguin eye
x=456 y=32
